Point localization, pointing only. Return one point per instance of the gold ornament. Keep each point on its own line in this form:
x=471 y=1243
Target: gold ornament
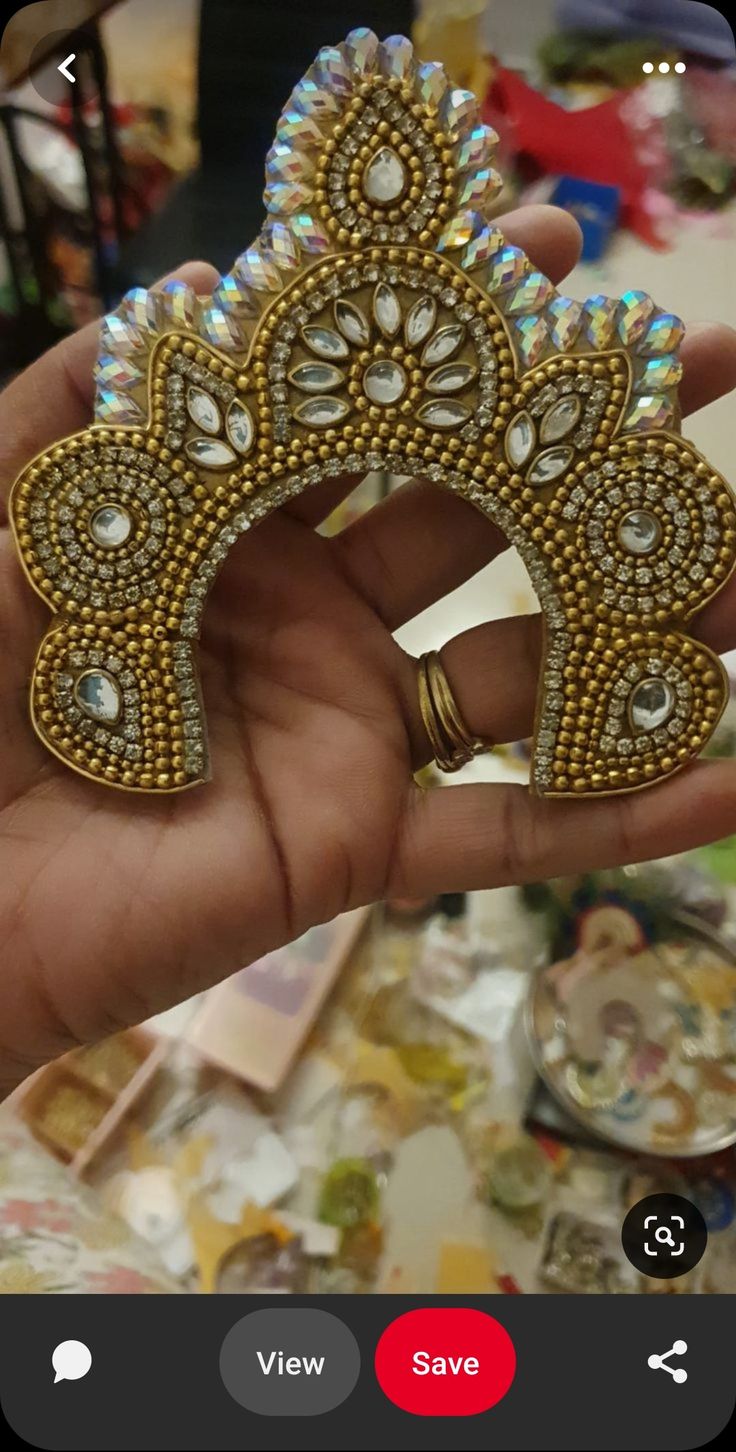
x=380 y=321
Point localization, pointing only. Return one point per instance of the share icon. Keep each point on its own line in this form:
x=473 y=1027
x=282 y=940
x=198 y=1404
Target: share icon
x=659 y=1362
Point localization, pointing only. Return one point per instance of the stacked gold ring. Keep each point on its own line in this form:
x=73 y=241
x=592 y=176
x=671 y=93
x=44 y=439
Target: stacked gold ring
x=451 y=741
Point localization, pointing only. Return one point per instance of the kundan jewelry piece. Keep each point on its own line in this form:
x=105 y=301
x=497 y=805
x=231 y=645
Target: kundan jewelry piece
x=380 y=321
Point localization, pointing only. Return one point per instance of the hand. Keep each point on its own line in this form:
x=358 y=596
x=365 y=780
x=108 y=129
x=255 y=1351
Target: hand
x=113 y=906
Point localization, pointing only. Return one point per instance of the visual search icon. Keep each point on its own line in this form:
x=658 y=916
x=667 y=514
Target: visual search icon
x=664 y=1236
x=659 y=1361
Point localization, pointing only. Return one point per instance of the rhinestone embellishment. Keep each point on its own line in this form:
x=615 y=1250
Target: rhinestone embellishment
x=381 y=321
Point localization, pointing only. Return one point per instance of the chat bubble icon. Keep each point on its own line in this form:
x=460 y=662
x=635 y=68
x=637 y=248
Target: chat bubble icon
x=71 y=1360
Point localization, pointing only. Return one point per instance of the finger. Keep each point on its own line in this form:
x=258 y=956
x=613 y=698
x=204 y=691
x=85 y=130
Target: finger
x=54 y=396
x=455 y=839
x=709 y=364
x=493 y=671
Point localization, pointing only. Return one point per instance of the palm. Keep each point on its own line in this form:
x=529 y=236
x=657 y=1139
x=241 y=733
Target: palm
x=311 y=767
x=113 y=905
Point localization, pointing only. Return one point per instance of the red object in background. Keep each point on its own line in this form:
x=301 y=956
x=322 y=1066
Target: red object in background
x=615 y=142
x=445 y=1362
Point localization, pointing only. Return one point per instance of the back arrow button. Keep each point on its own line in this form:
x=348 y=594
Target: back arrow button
x=64 y=67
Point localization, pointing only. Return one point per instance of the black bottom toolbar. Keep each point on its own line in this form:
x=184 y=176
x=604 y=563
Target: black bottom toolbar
x=531 y=1372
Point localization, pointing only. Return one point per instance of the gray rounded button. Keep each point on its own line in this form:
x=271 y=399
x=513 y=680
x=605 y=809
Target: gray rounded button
x=293 y=1363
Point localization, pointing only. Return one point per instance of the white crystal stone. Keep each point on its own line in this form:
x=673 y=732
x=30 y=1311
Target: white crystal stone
x=384 y=382
x=420 y=321
x=650 y=703
x=559 y=419
x=203 y=411
x=325 y=342
x=316 y=377
x=450 y=378
x=211 y=453
x=448 y=414
x=384 y=178
x=639 y=532
x=520 y=440
x=110 y=526
x=352 y=322
x=321 y=413
x=550 y=464
x=98 y=696
x=239 y=427
x=445 y=342
x=387 y=310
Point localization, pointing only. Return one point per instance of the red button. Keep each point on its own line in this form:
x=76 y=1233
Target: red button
x=439 y=1362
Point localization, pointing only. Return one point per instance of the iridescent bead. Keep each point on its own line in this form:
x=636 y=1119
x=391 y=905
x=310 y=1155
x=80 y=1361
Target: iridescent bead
x=115 y=372
x=116 y=408
x=649 y=411
x=459 y=111
x=280 y=245
x=220 y=328
x=479 y=188
x=294 y=129
x=531 y=338
x=459 y=231
x=664 y=335
x=287 y=197
x=658 y=374
x=309 y=234
x=476 y=149
x=431 y=84
x=118 y=337
x=480 y=248
x=635 y=310
x=255 y=271
x=232 y=293
x=564 y=316
x=179 y=303
x=361 y=50
x=284 y=164
x=507 y=267
x=530 y=295
x=599 y=316
x=312 y=100
x=396 y=57
x=140 y=308
x=331 y=70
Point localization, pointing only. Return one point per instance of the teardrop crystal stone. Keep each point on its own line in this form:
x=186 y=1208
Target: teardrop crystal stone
x=110 y=526
x=211 y=453
x=444 y=343
x=203 y=411
x=650 y=703
x=316 y=377
x=444 y=415
x=384 y=178
x=450 y=378
x=520 y=440
x=550 y=465
x=420 y=321
x=239 y=427
x=98 y=696
x=351 y=322
x=325 y=342
x=321 y=413
x=386 y=310
x=559 y=419
x=384 y=382
x=639 y=532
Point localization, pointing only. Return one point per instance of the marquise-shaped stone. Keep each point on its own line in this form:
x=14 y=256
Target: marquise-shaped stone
x=559 y=418
x=387 y=310
x=352 y=323
x=239 y=427
x=420 y=321
x=203 y=411
x=451 y=377
x=550 y=465
x=520 y=440
x=444 y=414
x=316 y=377
x=211 y=453
x=445 y=342
x=325 y=342
x=322 y=413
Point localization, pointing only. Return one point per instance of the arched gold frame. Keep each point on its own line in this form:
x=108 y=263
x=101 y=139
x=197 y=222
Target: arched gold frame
x=399 y=332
